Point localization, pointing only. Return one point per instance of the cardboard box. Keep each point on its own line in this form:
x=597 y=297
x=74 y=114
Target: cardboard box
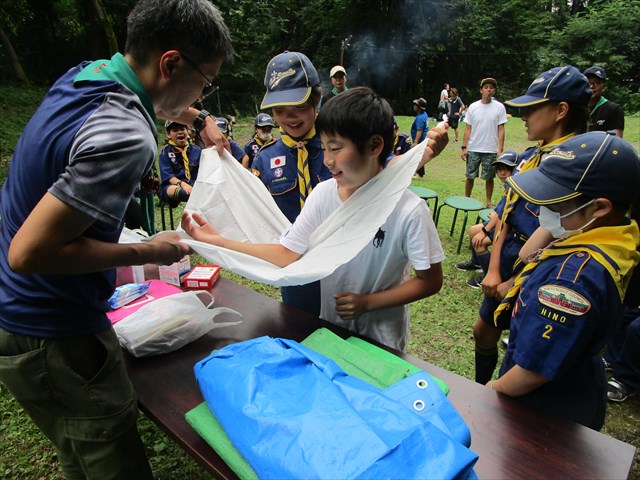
x=134 y=274
x=176 y=272
x=202 y=277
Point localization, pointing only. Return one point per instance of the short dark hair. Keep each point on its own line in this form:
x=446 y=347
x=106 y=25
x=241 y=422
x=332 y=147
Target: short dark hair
x=193 y=27
x=358 y=114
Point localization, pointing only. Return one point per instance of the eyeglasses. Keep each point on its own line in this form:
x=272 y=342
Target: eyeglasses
x=209 y=87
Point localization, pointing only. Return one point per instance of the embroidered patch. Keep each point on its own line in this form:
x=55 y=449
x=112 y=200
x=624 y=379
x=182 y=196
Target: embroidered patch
x=278 y=172
x=171 y=155
x=280 y=161
x=255 y=172
x=564 y=154
x=276 y=77
x=563 y=299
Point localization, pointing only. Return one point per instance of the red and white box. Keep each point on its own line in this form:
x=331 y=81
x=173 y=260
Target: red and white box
x=202 y=277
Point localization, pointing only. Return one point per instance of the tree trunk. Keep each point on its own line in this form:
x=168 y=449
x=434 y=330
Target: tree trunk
x=103 y=21
x=13 y=58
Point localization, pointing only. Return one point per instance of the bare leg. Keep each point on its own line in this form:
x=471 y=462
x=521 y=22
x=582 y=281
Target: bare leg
x=468 y=187
x=489 y=191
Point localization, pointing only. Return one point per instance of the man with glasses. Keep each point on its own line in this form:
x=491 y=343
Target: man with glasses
x=604 y=115
x=73 y=173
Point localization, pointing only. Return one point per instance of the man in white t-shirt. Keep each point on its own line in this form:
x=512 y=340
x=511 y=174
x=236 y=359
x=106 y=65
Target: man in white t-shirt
x=483 y=137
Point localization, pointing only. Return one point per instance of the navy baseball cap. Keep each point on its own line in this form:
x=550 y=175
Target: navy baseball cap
x=289 y=78
x=263 y=120
x=508 y=158
x=596 y=71
x=222 y=123
x=560 y=84
x=170 y=123
x=595 y=164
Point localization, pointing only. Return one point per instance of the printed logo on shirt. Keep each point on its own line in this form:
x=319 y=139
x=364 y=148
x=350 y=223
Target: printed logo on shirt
x=378 y=240
x=280 y=161
x=563 y=299
x=255 y=172
x=278 y=172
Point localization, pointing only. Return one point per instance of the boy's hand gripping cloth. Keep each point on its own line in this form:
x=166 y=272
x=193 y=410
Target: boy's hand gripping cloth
x=235 y=201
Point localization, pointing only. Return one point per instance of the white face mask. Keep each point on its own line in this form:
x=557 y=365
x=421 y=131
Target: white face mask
x=551 y=221
x=264 y=136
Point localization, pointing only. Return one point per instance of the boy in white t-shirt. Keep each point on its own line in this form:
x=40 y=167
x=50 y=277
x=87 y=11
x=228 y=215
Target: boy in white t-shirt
x=370 y=293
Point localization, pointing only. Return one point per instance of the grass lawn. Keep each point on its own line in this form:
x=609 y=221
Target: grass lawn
x=441 y=325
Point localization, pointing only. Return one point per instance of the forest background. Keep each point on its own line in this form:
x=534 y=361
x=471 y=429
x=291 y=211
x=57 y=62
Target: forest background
x=404 y=49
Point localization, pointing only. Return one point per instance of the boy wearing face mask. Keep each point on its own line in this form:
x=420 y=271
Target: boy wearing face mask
x=554 y=109
x=565 y=304
x=262 y=136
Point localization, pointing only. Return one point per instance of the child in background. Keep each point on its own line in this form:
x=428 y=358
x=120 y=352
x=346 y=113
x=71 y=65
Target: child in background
x=554 y=109
x=263 y=124
x=481 y=234
x=419 y=127
x=236 y=150
x=179 y=163
x=369 y=294
x=566 y=302
x=401 y=141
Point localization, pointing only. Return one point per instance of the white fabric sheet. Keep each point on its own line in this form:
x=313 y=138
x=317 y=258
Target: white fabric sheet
x=237 y=203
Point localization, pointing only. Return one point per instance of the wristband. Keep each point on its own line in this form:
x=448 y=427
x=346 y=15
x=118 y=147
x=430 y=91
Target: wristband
x=463 y=147
x=486 y=232
x=198 y=123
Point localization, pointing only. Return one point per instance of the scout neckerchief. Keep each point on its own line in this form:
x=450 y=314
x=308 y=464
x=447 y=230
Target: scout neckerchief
x=601 y=102
x=612 y=247
x=185 y=158
x=304 y=175
x=531 y=163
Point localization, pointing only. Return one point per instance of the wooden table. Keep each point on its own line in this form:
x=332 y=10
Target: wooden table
x=511 y=440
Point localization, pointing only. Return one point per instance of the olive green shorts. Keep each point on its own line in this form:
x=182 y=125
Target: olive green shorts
x=77 y=392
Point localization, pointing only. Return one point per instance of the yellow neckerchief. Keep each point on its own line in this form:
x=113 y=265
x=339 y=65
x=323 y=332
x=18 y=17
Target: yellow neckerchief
x=185 y=158
x=396 y=135
x=615 y=248
x=304 y=176
x=531 y=163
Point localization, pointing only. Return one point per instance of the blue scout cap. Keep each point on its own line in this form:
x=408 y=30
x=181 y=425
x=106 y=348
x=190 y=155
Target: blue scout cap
x=508 y=158
x=289 y=78
x=222 y=123
x=595 y=164
x=169 y=123
x=596 y=71
x=263 y=120
x=560 y=84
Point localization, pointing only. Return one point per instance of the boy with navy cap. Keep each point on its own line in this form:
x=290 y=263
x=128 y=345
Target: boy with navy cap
x=236 y=150
x=261 y=136
x=292 y=166
x=604 y=115
x=564 y=305
x=554 y=110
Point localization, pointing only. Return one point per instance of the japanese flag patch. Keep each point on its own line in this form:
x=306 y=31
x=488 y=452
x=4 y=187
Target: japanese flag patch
x=563 y=299
x=280 y=161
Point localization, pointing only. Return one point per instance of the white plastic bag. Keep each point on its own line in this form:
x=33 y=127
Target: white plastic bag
x=168 y=323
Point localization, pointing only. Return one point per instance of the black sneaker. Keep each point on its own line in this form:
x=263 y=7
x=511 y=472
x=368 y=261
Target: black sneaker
x=468 y=266
x=608 y=367
x=475 y=282
x=618 y=391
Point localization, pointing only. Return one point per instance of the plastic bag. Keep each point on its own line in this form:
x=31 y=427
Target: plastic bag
x=293 y=413
x=169 y=323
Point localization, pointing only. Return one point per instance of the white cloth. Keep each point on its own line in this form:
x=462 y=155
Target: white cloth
x=238 y=205
x=484 y=119
x=408 y=237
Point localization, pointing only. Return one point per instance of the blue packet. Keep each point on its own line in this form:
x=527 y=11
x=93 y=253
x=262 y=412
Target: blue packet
x=127 y=293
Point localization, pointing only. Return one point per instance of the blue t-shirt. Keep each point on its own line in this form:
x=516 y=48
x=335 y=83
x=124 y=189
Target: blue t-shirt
x=78 y=147
x=421 y=122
